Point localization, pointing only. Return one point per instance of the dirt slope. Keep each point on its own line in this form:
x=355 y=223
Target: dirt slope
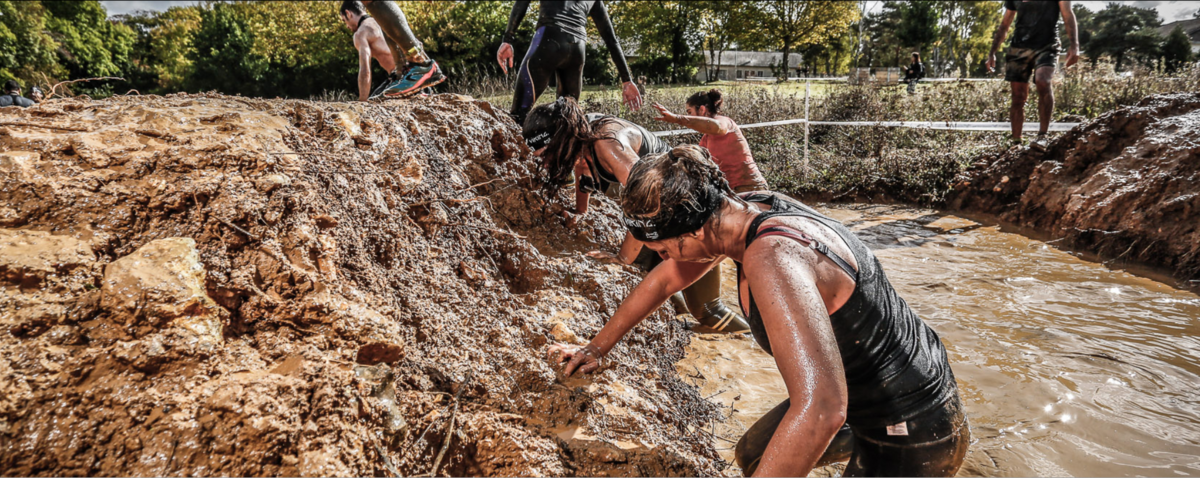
x=208 y=285
x=1125 y=185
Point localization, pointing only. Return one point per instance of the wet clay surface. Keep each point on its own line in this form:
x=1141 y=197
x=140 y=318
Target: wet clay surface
x=1125 y=186
x=1066 y=367
x=209 y=285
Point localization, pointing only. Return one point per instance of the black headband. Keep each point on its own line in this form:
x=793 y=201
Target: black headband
x=685 y=217
x=539 y=133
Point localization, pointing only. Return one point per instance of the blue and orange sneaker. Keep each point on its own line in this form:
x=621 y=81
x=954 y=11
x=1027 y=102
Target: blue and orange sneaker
x=418 y=76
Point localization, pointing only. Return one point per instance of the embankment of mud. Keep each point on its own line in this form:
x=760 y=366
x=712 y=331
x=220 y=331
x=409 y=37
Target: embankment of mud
x=210 y=285
x=1125 y=186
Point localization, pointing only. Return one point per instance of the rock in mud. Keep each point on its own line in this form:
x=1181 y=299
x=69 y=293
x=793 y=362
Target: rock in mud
x=1125 y=185
x=162 y=283
x=29 y=258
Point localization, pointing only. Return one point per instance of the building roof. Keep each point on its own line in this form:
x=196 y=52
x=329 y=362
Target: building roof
x=752 y=59
x=1190 y=27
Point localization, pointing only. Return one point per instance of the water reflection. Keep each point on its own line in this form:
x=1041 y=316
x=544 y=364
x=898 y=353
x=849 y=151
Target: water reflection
x=1067 y=367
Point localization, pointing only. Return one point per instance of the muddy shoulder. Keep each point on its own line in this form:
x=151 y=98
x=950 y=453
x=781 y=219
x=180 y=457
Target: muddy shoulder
x=212 y=285
x=1124 y=186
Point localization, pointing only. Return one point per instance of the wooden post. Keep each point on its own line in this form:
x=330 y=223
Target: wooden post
x=804 y=170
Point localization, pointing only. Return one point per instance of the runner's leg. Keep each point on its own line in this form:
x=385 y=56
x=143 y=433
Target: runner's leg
x=533 y=76
x=395 y=27
x=1045 y=90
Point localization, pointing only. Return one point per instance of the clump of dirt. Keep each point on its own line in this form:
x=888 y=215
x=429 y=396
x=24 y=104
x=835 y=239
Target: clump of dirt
x=1125 y=185
x=210 y=285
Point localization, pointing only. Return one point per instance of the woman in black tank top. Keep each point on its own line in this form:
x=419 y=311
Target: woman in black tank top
x=600 y=150
x=849 y=348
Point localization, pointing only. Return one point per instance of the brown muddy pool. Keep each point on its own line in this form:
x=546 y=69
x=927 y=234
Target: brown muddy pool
x=1066 y=367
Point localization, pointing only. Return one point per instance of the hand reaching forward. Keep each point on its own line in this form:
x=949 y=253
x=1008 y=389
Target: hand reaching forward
x=665 y=114
x=585 y=359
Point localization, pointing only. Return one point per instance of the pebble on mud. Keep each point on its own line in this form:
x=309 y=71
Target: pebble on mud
x=163 y=281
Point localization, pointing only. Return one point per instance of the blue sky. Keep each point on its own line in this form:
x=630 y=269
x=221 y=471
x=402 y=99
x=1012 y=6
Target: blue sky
x=1168 y=10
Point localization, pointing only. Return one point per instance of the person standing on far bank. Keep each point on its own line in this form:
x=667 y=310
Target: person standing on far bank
x=1034 y=52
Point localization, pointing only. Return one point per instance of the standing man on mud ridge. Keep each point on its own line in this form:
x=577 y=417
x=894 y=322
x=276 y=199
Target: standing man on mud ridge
x=391 y=42
x=558 y=49
x=1034 y=52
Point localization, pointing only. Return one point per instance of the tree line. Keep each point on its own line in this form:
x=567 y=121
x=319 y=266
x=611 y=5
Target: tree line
x=301 y=49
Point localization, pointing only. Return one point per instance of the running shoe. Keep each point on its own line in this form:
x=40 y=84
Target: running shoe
x=1040 y=144
x=719 y=319
x=418 y=76
x=391 y=78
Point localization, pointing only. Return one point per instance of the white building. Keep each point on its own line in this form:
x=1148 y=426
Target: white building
x=739 y=65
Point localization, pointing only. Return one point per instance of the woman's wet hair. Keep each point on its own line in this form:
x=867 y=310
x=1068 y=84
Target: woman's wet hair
x=713 y=99
x=673 y=191
x=569 y=132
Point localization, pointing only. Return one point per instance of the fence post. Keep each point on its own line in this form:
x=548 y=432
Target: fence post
x=804 y=169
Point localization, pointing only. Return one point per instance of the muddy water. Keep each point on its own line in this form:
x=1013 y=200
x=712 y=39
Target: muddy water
x=1066 y=367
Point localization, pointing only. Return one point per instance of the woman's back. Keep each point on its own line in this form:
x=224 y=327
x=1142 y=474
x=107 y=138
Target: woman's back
x=896 y=366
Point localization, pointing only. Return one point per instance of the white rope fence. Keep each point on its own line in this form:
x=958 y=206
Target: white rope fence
x=932 y=125
x=935 y=125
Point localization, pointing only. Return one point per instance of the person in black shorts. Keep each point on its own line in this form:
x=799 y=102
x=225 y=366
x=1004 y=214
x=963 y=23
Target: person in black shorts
x=849 y=348
x=1033 y=52
x=558 y=49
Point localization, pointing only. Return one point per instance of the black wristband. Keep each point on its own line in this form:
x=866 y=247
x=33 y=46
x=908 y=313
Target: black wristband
x=509 y=38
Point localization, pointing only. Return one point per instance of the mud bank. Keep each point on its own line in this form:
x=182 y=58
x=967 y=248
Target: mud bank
x=1125 y=186
x=208 y=285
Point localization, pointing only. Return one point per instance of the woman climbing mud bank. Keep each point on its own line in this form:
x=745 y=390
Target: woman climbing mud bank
x=600 y=151
x=849 y=348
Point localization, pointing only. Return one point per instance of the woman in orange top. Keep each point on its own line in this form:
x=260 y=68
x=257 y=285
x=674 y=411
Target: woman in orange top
x=722 y=137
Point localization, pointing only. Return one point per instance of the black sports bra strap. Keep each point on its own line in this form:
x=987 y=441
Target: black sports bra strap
x=811 y=242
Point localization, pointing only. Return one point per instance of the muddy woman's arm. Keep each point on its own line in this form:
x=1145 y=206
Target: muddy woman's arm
x=667 y=278
x=782 y=274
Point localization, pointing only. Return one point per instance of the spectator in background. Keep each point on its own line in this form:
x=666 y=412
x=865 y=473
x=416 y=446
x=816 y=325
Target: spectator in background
x=12 y=95
x=36 y=94
x=914 y=73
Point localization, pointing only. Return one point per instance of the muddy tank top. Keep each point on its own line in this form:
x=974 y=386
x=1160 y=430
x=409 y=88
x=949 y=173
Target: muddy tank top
x=896 y=366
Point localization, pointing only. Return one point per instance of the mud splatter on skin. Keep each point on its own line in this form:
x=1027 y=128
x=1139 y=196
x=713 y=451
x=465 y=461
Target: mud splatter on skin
x=1125 y=186
x=401 y=235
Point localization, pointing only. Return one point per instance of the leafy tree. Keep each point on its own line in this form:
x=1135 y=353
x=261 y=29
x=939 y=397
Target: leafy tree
x=1124 y=30
x=718 y=21
x=90 y=45
x=158 y=61
x=663 y=28
x=1177 y=50
x=918 y=24
x=224 y=57
x=882 y=45
x=787 y=25
x=967 y=32
x=26 y=49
